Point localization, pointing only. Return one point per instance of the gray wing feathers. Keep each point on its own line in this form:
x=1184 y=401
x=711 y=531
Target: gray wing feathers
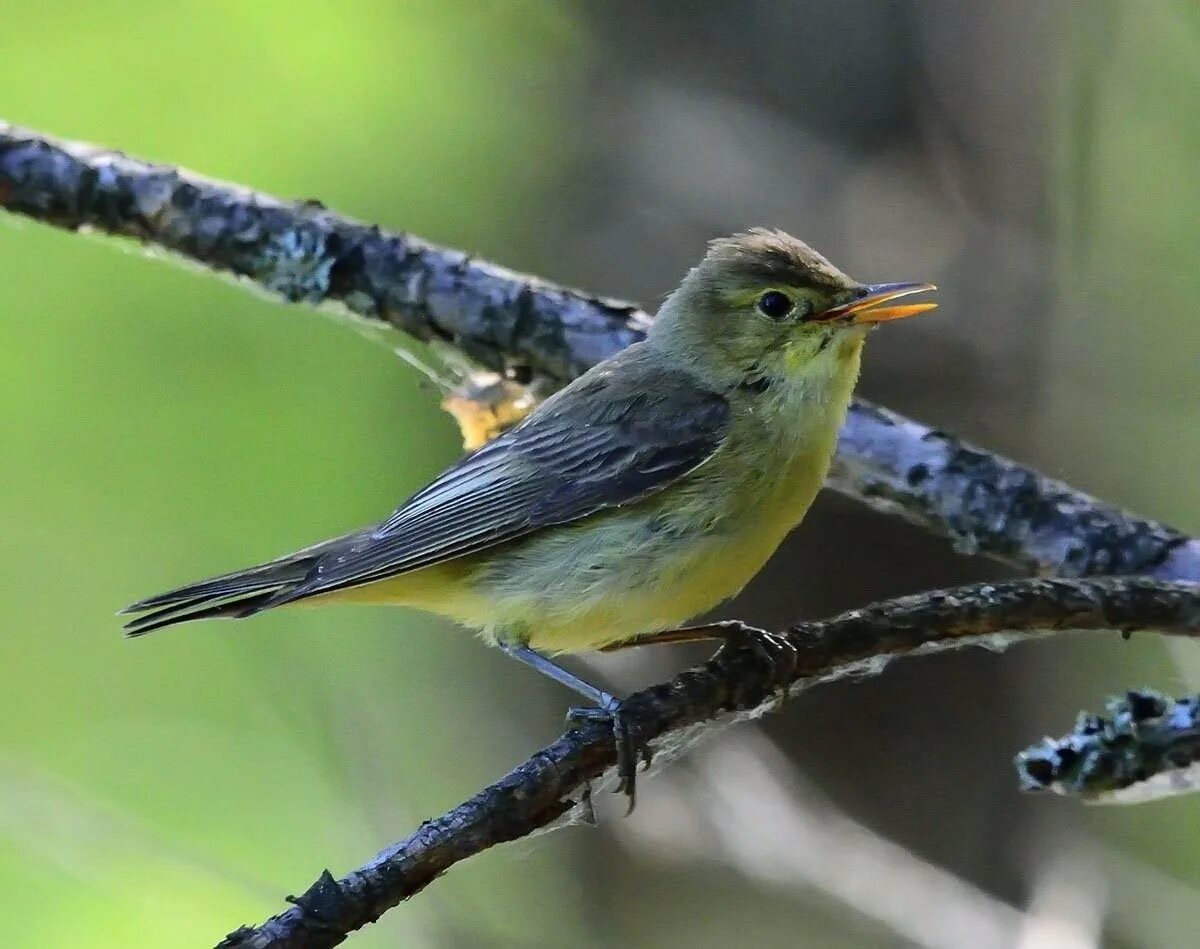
x=612 y=438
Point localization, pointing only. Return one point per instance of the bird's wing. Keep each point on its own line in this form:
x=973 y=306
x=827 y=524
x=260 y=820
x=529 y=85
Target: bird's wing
x=613 y=437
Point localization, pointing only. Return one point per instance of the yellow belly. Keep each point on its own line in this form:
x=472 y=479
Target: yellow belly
x=703 y=575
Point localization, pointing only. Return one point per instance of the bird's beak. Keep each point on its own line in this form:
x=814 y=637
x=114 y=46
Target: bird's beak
x=870 y=306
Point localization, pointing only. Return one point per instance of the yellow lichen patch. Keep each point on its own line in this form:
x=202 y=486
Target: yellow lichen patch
x=485 y=404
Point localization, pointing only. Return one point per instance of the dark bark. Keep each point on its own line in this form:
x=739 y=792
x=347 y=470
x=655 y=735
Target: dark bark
x=737 y=682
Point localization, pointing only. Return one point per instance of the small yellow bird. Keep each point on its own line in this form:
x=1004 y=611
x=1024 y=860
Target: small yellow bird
x=646 y=492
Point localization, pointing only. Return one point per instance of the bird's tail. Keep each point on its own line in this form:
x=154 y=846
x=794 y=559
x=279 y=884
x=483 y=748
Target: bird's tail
x=234 y=595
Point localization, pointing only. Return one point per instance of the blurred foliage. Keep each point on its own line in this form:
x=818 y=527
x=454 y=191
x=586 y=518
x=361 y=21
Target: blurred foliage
x=1129 y=214
x=159 y=426
x=1124 y=358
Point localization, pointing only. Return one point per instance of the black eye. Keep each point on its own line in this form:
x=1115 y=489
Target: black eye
x=774 y=304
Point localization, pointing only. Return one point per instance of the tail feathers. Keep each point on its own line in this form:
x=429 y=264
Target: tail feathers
x=240 y=581
x=232 y=595
x=241 y=593
x=237 y=608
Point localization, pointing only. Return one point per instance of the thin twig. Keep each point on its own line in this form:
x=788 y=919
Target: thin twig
x=512 y=322
x=736 y=683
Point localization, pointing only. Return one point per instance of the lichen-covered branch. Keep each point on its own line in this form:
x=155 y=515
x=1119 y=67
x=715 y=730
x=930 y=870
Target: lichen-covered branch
x=305 y=254
x=507 y=321
x=987 y=504
x=737 y=682
x=1147 y=746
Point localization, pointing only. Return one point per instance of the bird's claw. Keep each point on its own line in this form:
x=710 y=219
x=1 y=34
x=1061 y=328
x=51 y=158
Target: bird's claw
x=629 y=746
x=775 y=649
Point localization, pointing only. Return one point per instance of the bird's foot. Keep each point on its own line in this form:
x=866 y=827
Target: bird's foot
x=629 y=746
x=773 y=648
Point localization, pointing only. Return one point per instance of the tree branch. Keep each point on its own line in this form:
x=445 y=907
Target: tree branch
x=737 y=683
x=512 y=322
x=1146 y=747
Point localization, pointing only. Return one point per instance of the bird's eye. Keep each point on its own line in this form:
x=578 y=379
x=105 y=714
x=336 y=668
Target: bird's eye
x=774 y=304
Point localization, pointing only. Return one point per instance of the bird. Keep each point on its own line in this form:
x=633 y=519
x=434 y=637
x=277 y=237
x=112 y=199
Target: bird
x=643 y=494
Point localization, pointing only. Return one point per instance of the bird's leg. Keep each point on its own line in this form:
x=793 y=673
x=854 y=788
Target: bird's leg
x=607 y=709
x=775 y=648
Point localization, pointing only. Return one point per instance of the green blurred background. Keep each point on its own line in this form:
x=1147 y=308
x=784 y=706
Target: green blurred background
x=1037 y=161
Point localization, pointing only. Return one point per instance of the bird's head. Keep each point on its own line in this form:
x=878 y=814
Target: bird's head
x=763 y=306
